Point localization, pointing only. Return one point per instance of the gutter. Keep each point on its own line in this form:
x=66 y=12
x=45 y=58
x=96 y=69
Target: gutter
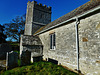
x=74 y=18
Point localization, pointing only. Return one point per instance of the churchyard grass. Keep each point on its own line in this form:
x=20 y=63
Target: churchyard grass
x=19 y=62
x=39 y=68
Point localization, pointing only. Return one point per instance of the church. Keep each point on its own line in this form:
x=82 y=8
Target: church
x=72 y=40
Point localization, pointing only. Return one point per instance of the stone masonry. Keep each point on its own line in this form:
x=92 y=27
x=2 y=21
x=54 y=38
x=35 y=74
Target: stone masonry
x=65 y=37
x=65 y=52
x=32 y=44
x=36 y=17
x=25 y=57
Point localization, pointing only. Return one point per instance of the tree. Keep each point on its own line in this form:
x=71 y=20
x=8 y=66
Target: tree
x=15 y=28
x=2 y=36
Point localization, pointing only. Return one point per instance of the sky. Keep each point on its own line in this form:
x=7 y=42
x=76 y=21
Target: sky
x=9 y=9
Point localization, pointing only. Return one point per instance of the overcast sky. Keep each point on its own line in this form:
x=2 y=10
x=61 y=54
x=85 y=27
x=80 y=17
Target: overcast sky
x=9 y=9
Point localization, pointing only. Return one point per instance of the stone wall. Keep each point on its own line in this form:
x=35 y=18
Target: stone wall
x=89 y=43
x=36 y=17
x=25 y=58
x=65 y=52
x=32 y=44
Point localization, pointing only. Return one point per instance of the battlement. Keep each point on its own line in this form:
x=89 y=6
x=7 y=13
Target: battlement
x=37 y=16
x=40 y=6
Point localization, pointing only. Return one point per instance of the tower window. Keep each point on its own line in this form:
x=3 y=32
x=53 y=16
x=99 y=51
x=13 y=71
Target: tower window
x=52 y=41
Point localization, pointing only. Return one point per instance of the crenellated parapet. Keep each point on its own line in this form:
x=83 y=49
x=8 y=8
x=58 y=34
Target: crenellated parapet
x=37 y=16
x=39 y=6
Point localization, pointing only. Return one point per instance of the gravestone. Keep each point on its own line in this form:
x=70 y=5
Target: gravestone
x=4 y=48
x=11 y=60
x=26 y=57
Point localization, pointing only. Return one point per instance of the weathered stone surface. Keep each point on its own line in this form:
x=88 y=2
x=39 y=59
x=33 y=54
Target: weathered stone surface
x=89 y=51
x=32 y=44
x=30 y=40
x=25 y=57
x=65 y=52
x=4 y=48
x=36 y=56
x=36 y=17
x=11 y=60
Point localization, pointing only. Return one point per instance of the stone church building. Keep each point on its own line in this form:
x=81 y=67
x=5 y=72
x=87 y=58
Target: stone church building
x=72 y=40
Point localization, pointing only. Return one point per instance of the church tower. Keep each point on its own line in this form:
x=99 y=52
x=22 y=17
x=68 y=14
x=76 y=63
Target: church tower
x=36 y=17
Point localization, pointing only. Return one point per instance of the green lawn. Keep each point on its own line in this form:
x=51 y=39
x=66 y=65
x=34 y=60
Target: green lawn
x=39 y=68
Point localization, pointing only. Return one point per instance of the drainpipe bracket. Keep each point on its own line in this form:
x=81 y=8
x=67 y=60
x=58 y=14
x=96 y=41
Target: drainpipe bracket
x=77 y=21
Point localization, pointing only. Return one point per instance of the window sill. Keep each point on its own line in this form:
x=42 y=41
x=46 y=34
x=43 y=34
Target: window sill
x=52 y=49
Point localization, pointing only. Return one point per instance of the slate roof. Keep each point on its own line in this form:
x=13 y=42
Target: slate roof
x=78 y=11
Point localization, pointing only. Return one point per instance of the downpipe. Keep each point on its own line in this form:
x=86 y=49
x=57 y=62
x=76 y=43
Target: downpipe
x=77 y=43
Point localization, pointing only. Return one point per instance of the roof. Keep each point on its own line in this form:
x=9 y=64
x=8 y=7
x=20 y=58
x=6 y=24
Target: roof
x=78 y=11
